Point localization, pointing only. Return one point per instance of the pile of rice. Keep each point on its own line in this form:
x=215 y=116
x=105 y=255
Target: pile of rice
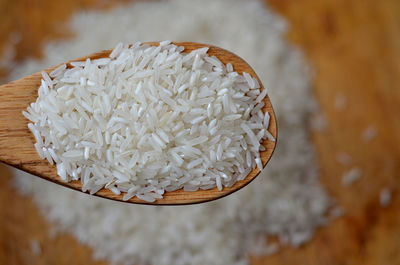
x=150 y=119
x=286 y=200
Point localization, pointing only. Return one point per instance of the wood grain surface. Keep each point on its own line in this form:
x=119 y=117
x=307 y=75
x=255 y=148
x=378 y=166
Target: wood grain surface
x=354 y=47
x=17 y=142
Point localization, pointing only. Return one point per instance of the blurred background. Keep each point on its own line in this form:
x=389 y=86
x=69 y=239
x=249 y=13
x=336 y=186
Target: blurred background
x=354 y=47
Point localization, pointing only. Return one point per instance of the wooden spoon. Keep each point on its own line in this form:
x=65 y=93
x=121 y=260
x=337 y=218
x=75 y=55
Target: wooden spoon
x=17 y=143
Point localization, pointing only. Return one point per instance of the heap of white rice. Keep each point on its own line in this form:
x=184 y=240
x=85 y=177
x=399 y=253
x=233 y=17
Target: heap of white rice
x=285 y=200
x=150 y=119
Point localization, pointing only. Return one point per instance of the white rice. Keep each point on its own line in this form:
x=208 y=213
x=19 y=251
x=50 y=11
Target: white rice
x=385 y=197
x=343 y=158
x=369 y=133
x=336 y=212
x=351 y=176
x=284 y=201
x=99 y=101
x=35 y=247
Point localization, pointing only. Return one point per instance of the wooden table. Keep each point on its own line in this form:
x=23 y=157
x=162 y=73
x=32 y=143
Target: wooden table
x=355 y=48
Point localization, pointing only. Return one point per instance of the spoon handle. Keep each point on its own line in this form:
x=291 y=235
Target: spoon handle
x=16 y=141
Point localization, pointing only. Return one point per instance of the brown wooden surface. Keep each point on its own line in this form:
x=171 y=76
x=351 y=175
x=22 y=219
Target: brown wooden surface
x=17 y=142
x=354 y=46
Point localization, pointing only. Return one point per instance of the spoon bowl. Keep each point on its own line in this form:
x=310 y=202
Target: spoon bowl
x=17 y=143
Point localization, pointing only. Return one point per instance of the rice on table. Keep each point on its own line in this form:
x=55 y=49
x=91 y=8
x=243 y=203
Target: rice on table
x=150 y=119
x=285 y=201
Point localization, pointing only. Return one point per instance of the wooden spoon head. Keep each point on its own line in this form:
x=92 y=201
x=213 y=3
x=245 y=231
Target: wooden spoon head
x=17 y=143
